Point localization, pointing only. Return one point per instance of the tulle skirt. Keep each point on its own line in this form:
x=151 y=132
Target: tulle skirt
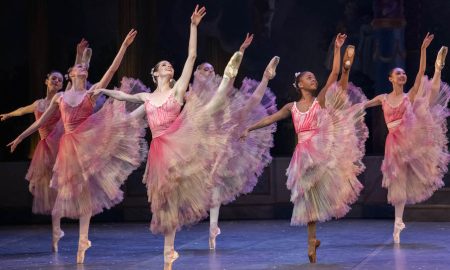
x=416 y=153
x=95 y=159
x=40 y=172
x=322 y=174
x=178 y=173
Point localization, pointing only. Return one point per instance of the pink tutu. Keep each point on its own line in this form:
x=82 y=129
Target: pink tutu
x=322 y=174
x=237 y=168
x=180 y=160
x=416 y=154
x=96 y=154
x=40 y=170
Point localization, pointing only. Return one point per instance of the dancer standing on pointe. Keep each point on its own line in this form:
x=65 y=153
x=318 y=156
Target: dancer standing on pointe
x=179 y=188
x=40 y=170
x=44 y=156
x=96 y=153
x=327 y=159
x=240 y=165
x=412 y=171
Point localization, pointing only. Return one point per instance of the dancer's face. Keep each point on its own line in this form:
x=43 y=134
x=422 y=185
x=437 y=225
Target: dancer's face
x=79 y=71
x=398 y=76
x=307 y=81
x=164 y=69
x=54 y=82
x=204 y=72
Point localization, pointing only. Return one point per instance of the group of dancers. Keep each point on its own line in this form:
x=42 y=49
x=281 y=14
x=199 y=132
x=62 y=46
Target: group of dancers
x=211 y=141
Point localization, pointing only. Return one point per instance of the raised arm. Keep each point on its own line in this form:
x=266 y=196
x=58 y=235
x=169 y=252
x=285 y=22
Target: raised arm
x=119 y=95
x=182 y=84
x=340 y=39
x=37 y=124
x=266 y=121
x=103 y=83
x=19 y=112
x=229 y=83
x=247 y=42
x=376 y=101
x=423 y=63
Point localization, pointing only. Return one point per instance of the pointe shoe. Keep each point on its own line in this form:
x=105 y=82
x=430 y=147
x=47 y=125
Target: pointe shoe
x=83 y=245
x=213 y=233
x=349 y=55
x=313 y=244
x=169 y=257
x=398 y=228
x=55 y=239
x=86 y=59
x=440 y=59
x=270 y=71
x=232 y=67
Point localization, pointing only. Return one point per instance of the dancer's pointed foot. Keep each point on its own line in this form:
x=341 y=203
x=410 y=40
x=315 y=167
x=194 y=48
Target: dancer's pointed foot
x=56 y=236
x=232 y=67
x=86 y=59
x=440 y=59
x=313 y=244
x=213 y=233
x=169 y=257
x=83 y=245
x=271 y=68
x=398 y=228
x=349 y=55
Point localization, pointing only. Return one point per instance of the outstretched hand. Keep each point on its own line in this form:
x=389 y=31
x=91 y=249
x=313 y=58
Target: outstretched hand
x=5 y=116
x=130 y=37
x=14 y=144
x=248 y=40
x=427 y=40
x=198 y=15
x=340 y=39
x=94 y=91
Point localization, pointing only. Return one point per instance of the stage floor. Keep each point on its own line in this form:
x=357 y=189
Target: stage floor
x=249 y=245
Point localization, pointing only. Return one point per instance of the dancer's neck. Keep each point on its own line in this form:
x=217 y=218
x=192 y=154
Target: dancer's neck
x=397 y=89
x=307 y=96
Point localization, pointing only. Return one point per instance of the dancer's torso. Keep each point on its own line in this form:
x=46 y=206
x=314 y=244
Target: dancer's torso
x=73 y=113
x=160 y=117
x=393 y=114
x=306 y=123
x=48 y=126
